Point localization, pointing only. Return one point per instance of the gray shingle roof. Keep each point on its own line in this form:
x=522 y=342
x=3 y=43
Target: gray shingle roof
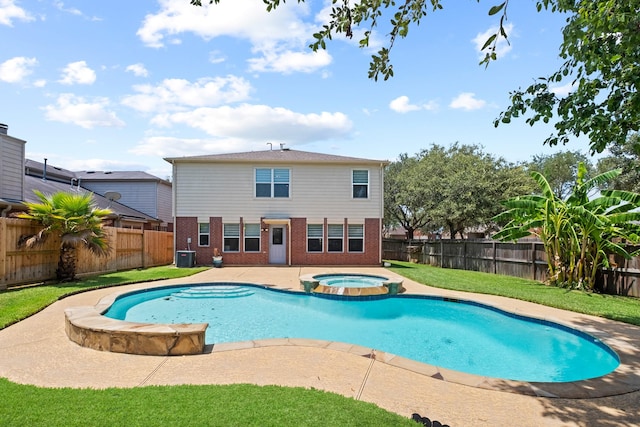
x=274 y=156
x=116 y=176
x=49 y=187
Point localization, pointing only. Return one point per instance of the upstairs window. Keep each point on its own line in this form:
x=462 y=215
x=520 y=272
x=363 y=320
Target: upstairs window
x=231 y=237
x=203 y=234
x=272 y=182
x=252 y=237
x=335 y=237
x=360 y=183
x=314 y=237
x=356 y=237
x=281 y=183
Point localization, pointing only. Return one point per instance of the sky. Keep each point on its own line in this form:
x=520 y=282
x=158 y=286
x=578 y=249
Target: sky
x=120 y=84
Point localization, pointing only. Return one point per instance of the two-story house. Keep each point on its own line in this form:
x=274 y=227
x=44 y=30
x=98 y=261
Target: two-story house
x=283 y=206
x=137 y=189
x=11 y=171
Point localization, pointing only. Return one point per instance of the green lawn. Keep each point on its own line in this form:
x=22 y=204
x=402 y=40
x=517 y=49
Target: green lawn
x=228 y=405
x=623 y=309
x=17 y=304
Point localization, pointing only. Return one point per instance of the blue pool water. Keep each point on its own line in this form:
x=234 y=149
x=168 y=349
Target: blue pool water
x=350 y=280
x=458 y=335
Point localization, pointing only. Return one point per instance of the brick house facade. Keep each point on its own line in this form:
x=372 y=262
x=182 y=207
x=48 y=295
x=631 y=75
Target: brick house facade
x=280 y=207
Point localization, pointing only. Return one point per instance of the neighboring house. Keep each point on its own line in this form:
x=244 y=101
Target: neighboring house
x=20 y=176
x=400 y=233
x=142 y=186
x=138 y=190
x=121 y=216
x=11 y=171
x=279 y=207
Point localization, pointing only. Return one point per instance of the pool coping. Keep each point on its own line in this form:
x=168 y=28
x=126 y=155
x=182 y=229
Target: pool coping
x=163 y=341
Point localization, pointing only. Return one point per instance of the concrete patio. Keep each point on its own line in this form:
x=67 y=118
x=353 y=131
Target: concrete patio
x=37 y=351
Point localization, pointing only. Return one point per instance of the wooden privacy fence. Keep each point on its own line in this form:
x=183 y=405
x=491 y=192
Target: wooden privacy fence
x=129 y=249
x=526 y=259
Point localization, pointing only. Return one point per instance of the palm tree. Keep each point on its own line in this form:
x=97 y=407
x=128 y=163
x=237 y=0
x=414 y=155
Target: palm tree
x=75 y=219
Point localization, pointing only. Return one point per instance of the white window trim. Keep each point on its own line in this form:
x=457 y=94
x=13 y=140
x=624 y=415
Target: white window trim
x=208 y=234
x=272 y=184
x=335 y=238
x=363 y=240
x=321 y=240
x=245 y=237
x=225 y=236
x=368 y=184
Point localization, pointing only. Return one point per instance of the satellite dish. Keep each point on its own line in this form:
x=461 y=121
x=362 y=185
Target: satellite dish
x=112 y=196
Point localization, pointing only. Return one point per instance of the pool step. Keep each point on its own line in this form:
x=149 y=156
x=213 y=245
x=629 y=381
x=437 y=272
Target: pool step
x=214 y=292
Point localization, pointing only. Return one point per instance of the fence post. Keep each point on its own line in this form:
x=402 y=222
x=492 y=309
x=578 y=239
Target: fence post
x=144 y=245
x=3 y=253
x=533 y=260
x=464 y=255
x=441 y=253
x=493 y=261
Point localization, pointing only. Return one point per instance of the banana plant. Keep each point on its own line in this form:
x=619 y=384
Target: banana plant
x=578 y=233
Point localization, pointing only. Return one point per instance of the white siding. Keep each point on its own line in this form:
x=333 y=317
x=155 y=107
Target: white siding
x=139 y=195
x=164 y=201
x=318 y=191
x=11 y=168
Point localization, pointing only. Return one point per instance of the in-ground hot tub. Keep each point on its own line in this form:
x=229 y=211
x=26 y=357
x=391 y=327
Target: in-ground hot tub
x=349 y=284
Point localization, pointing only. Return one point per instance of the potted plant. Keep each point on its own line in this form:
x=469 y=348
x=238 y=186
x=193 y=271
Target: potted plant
x=217 y=258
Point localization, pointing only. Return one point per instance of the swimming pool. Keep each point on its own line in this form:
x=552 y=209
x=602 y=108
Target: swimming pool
x=454 y=334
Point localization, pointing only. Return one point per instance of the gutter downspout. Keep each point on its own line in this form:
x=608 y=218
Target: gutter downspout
x=5 y=211
x=380 y=253
x=174 y=208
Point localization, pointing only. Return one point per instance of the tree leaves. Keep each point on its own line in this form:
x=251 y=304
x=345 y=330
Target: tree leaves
x=576 y=232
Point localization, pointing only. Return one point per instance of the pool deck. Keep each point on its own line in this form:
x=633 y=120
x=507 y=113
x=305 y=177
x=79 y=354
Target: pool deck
x=37 y=351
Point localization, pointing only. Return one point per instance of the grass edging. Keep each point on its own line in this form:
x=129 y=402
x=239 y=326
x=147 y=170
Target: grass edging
x=614 y=307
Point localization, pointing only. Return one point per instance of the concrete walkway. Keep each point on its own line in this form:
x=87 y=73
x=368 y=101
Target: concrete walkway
x=37 y=351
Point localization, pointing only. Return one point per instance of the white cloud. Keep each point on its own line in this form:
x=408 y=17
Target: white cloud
x=502 y=48
x=467 y=101
x=279 y=39
x=402 y=105
x=216 y=57
x=103 y=165
x=178 y=94
x=260 y=123
x=169 y=146
x=73 y=11
x=74 y=109
x=138 y=70
x=244 y=19
x=563 y=90
x=9 y=11
x=287 y=62
x=78 y=73
x=16 y=69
